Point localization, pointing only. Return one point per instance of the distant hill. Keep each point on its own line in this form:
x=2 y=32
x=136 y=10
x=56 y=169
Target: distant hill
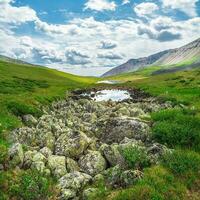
x=12 y=60
x=173 y=58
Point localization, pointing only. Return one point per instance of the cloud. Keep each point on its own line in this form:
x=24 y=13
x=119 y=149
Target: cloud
x=110 y=55
x=100 y=5
x=108 y=45
x=186 y=6
x=145 y=9
x=125 y=2
x=162 y=36
x=15 y=15
x=75 y=57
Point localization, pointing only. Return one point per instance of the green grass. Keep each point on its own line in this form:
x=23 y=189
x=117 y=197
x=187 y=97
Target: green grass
x=24 y=88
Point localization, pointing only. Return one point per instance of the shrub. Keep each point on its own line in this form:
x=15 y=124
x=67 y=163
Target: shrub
x=184 y=164
x=136 y=157
x=177 y=128
x=30 y=185
x=157 y=184
x=3 y=152
x=20 y=109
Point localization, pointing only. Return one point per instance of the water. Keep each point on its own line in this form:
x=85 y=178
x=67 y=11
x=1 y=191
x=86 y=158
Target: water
x=114 y=95
x=108 y=82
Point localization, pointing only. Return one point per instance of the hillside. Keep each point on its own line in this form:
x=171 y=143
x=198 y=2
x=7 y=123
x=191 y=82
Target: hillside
x=179 y=57
x=23 y=88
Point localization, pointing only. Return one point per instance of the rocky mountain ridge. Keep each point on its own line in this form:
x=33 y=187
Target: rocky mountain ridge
x=188 y=54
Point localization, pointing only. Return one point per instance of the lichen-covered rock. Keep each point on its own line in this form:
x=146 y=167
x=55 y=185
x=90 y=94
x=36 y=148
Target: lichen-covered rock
x=39 y=157
x=73 y=145
x=90 y=193
x=46 y=152
x=117 y=129
x=113 y=155
x=130 y=177
x=67 y=194
x=39 y=166
x=29 y=120
x=16 y=155
x=92 y=163
x=28 y=159
x=74 y=181
x=57 y=165
x=72 y=165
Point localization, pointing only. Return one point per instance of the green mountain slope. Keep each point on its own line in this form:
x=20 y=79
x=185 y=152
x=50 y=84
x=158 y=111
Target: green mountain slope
x=23 y=88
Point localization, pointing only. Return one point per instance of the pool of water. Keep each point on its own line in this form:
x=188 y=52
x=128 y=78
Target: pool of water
x=113 y=95
x=108 y=82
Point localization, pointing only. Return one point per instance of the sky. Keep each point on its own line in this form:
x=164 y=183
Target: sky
x=89 y=37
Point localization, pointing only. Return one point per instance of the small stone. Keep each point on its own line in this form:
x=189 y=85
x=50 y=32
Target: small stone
x=16 y=155
x=29 y=120
x=46 y=152
x=67 y=194
x=57 y=165
x=92 y=163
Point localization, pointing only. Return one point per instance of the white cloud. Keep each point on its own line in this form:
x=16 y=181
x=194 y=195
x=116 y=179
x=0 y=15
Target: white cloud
x=186 y=6
x=16 y=15
x=110 y=56
x=100 y=5
x=125 y=2
x=145 y=8
x=108 y=45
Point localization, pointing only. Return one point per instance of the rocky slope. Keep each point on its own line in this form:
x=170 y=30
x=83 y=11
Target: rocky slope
x=80 y=142
x=188 y=54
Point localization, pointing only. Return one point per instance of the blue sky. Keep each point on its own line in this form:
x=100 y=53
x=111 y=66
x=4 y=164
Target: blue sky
x=89 y=37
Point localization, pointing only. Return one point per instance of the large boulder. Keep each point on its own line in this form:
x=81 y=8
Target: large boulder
x=72 y=145
x=72 y=165
x=28 y=159
x=73 y=183
x=16 y=155
x=116 y=129
x=29 y=120
x=113 y=155
x=57 y=165
x=92 y=163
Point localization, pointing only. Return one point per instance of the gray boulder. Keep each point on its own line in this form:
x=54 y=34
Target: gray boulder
x=57 y=165
x=92 y=163
x=16 y=155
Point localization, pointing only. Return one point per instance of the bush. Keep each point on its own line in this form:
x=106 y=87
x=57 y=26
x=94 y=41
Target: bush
x=157 y=184
x=184 y=164
x=177 y=128
x=3 y=153
x=24 y=185
x=20 y=109
x=136 y=157
x=30 y=185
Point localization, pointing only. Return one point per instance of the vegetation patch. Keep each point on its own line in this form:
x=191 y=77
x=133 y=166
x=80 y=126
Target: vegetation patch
x=177 y=128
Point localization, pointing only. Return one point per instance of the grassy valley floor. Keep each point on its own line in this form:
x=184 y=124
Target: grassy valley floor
x=24 y=89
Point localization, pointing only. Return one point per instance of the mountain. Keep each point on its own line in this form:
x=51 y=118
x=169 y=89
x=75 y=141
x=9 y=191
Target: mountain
x=186 y=55
x=12 y=60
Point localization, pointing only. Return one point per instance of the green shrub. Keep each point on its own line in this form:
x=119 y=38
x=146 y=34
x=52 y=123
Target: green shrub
x=177 y=128
x=20 y=109
x=30 y=185
x=157 y=184
x=184 y=164
x=136 y=157
x=3 y=152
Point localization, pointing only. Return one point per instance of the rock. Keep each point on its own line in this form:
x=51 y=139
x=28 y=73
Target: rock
x=67 y=194
x=28 y=158
x=39 y=157
x=72 y=165
x=46 y=152
x=57 y=165
x=1 y=167
x=47 y=139
x=39 y=166
x=130 y=177
x=117 y=129
x=16 y=155
x=90 y=193
x=29 y=120
x=72 y=146
x=113 y=176
x=112 y=155
x=92 y=163
x=74 y=181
